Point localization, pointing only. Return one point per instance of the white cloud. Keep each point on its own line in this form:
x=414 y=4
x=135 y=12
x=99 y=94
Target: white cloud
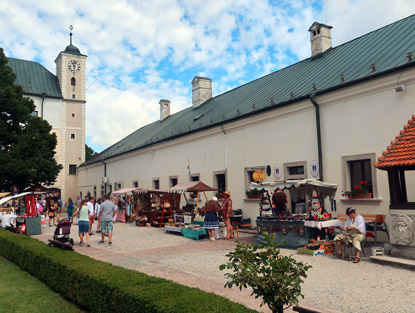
x=141 y=51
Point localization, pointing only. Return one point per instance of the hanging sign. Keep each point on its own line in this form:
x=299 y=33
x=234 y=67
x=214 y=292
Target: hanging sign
x=277 y=172
x=258 y=175
x=314 y=168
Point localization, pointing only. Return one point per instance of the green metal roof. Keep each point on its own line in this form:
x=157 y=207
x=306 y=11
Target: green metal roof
x=386 y=48
x=34 y=78
x=72 y=50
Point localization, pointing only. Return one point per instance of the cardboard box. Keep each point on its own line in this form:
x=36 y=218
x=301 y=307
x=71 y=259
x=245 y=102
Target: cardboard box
x=328 y=247
x=310 y=252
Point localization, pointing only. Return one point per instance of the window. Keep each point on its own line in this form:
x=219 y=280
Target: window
x=194 y=177
x=73 y=96
x=248 y=175
x=156 y=183
x=357 y=168
x=35 y=113
x=95 y=192
x=135 y=184
x=73 y=81
x=102 y=191
x=295 y=170
x=220 y=181
x=117 y=186
x=72 y=136
x=173 y=181
x=73 y=114
x=72 y=169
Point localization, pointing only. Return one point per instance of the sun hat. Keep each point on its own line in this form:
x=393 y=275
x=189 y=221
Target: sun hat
x=227 y=192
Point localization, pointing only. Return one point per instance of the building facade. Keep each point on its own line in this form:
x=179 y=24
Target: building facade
x=59 y=99
x=326 y=117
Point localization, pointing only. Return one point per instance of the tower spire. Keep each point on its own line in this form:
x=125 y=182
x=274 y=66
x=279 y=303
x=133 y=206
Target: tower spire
x=70 y=34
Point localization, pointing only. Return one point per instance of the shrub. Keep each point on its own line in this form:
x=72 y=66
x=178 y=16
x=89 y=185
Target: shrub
x=275 y=278
x=102 y=287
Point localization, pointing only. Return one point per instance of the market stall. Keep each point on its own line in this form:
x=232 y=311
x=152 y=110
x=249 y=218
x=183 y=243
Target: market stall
x=24 y=212
x=122 y=211
x=155 y=206
x=184 y=220
x=293 y=230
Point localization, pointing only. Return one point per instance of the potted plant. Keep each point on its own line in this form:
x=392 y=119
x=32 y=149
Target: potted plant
x=253 y=194
x=220 y=195
x=360 y=191
x=275 y=278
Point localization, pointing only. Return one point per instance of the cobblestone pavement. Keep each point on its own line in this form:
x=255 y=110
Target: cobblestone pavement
x=331 y=283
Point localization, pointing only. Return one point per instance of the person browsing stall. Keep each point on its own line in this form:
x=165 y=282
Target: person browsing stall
x=227 y=213
x=106 y=215
x=83 y=224
x=211 y=218
x=354 y=232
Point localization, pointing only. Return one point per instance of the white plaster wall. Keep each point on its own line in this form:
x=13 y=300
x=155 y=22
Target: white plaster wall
x=356 y=120
x=51 y=110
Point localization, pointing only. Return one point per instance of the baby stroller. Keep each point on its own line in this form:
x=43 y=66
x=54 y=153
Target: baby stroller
x=61 y=237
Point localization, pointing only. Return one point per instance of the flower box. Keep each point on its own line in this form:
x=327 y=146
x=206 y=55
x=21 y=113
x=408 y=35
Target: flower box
x=362 y=196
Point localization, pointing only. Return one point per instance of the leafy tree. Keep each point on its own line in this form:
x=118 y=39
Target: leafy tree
x=26 y=143
x=272 y=276
x=89 y=153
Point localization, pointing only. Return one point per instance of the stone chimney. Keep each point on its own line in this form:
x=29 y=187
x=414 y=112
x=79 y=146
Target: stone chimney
x=320 y=37
x=164 y=108
x=201 y=90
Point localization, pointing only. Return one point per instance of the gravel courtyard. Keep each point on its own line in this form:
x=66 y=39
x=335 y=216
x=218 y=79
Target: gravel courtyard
x=333 y=284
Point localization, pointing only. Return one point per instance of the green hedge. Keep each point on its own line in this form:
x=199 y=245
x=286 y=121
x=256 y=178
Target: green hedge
x=102 y=287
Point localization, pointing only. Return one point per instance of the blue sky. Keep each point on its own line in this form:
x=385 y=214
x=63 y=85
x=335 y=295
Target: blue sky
x=142 y=51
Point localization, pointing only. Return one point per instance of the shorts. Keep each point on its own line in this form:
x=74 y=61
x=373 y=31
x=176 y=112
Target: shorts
x=106 y=227
x=91 y=219
x=83 y=227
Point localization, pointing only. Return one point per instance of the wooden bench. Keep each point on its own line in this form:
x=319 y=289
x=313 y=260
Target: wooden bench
x=375 y=222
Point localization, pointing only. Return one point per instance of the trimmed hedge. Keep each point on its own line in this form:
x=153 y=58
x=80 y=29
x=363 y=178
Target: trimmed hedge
x=102 y=287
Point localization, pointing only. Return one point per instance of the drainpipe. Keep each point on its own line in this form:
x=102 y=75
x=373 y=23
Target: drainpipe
x=320 y=153
x=41 y=109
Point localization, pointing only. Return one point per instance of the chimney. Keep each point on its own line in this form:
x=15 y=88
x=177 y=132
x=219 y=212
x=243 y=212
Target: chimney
x=201 y=90
x=164 y=108
x=320 y=37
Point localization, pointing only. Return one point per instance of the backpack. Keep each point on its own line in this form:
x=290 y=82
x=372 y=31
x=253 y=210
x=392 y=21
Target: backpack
x=39 y=208
x=70 y=205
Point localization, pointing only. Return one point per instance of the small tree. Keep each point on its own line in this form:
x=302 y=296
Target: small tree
x=272 y=276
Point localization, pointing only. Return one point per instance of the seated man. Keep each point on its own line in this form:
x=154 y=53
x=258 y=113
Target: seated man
x=354 y=232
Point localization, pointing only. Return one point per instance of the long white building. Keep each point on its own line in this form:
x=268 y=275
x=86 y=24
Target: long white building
x=329 y=116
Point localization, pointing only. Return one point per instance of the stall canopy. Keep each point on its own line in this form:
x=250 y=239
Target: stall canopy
x=141 y=191
x=4 y=200
x=123 y=191
x=4 y=194
x=192 y=186
x=299 y=188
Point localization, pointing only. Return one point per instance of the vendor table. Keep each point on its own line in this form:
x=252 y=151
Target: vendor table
x=289 y=234
x=193 y=233
x=323 y=224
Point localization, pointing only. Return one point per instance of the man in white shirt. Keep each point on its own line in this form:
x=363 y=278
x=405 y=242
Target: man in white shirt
x=355 y=232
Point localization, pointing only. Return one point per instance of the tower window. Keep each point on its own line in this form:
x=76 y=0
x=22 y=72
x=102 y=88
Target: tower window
x=73 y=114
x=73 y=81
x=72 y=136
x=72 y=169
x=73 y=96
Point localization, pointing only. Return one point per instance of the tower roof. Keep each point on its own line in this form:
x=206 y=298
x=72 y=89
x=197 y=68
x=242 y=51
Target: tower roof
x=72 y=50
x=401 y=152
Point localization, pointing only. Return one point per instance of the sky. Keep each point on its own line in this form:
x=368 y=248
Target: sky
x=142 y=51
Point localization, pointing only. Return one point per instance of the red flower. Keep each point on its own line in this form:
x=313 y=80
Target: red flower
x=342 y=194
x=365 y=181
x=362 y=182
x=355 y=187
x=350 y=197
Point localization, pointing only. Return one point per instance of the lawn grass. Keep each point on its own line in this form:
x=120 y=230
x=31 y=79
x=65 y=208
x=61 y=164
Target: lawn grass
x=22 y=292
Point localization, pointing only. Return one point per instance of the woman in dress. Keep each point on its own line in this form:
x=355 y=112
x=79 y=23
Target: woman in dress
x=83 y=224
x=211 y=218
x=227 y=213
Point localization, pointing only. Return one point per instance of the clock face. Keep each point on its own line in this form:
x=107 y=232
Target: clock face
x=74 y=66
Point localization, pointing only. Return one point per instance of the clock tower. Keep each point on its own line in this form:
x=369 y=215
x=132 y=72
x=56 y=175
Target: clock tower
x=70 y=152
